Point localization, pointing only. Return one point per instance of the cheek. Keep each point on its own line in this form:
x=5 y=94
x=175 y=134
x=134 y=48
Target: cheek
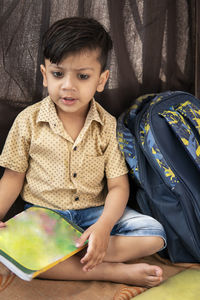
x=52 y=91
x=91 y=91
x=52 y=86
x=87 y=90
x=93 y=87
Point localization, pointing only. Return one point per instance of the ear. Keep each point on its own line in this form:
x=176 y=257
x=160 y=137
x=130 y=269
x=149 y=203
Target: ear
x=102 y=80
x=43 y=71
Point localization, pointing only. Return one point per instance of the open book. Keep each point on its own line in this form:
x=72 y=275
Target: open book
x=37 y=239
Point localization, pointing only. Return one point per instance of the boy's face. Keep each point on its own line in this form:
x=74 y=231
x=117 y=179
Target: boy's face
x=73 y=82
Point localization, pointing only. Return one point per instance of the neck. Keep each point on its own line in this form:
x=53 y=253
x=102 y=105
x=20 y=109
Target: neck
x=73 y=122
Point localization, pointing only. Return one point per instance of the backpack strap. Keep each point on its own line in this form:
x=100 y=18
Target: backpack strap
x=127 y=146
x=182 y=119
x=152 y=151
x=126 y=135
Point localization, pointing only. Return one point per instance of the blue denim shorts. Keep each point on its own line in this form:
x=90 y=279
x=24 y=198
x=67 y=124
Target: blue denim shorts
x=132 y=223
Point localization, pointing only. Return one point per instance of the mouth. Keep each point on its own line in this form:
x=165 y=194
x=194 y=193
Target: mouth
x=68 y=100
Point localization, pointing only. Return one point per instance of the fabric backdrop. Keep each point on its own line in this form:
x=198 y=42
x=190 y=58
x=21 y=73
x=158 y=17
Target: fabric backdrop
x=155 y=47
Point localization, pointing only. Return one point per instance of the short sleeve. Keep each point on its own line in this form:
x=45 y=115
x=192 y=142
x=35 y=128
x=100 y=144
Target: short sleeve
x=115 y=164
x=15 y=153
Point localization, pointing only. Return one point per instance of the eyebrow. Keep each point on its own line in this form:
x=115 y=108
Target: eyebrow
x=83 y=69
x=78 y=70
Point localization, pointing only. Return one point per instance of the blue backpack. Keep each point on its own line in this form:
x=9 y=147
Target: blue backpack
x=160 y=138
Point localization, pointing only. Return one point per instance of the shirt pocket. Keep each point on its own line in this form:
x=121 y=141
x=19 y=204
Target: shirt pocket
x=93 y=170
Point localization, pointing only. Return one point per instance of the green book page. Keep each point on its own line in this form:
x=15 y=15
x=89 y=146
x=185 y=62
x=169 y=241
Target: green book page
x=38 y=237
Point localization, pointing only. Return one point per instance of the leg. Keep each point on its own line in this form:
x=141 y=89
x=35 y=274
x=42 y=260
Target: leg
x=145 y=239
x=113 y=269
x=132 y=274
x=125 y=248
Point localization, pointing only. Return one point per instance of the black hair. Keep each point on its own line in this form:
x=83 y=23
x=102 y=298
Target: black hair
x=75 y=34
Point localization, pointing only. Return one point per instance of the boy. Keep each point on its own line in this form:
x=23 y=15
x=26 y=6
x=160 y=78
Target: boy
x=62 y=153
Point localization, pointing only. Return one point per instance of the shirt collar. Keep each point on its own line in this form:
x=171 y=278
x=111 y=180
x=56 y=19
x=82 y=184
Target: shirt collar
x=93 y=114
x=48 y=113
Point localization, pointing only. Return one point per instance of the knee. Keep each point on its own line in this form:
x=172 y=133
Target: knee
x=158 y=243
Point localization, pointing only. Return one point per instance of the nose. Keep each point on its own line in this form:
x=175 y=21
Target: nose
x=68 y=82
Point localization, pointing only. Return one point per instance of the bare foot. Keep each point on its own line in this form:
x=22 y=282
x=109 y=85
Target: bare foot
x=141 y=274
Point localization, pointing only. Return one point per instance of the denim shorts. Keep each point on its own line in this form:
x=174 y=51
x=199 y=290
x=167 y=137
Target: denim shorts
x=132 y=223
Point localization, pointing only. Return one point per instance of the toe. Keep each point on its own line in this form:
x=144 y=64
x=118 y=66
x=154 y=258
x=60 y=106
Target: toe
x=155 y=271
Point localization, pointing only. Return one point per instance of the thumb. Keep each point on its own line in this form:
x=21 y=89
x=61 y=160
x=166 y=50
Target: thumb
x=83 y=238
x=2 y=224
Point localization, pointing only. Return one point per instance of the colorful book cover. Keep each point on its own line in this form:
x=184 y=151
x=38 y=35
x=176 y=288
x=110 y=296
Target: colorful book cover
x=36 y=240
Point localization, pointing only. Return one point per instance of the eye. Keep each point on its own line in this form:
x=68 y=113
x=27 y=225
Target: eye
x=57 y=74
x=83 y=76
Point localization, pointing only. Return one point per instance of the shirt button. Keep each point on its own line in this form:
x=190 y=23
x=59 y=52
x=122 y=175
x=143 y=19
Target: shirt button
x=75 y=148
x=74 y=175
x=76 y=199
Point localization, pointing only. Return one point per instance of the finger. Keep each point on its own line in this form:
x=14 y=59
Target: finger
x=83 y=238
x=89 y=266
x=96 y=257
x=2 y=224
x=89 y=260
x=87 y=257
x=92 y=259
x=92 y=251
x=92 y=264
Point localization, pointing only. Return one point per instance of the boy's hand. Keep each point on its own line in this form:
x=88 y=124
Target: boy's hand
x=2 y=224
x=98 y=238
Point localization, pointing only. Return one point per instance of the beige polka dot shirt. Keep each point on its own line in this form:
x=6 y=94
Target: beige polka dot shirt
x=62 y=173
